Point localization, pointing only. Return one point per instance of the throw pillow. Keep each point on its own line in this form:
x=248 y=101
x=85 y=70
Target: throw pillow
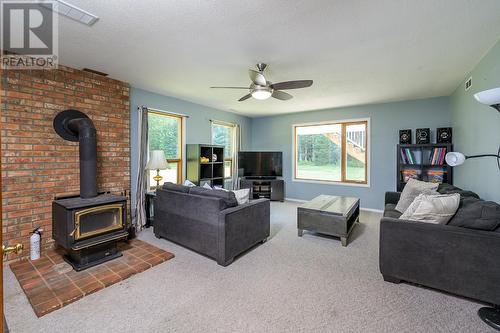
x=242 y=196
x=189 y=183
x=411 y=190
x=438 y=209
x=477 y=214
x=207 y=186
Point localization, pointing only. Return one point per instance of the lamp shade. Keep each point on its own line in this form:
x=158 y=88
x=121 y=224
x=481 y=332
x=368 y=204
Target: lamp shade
x=488 y=97
x=261 y=94
x=455 y=158
x=158 y=161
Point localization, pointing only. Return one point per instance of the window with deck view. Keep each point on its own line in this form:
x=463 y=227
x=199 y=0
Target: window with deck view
x=332 y=152
x=223 y=134
x=165 y=133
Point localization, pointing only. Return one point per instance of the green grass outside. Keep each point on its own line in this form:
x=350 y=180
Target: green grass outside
x=328 y=172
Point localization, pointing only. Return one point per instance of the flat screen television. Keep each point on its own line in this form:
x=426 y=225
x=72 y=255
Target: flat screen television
x=260 y=164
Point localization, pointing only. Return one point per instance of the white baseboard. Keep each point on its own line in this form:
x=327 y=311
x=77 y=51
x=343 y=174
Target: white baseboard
x=295 y=200
x=362 y=208
x=373 y=210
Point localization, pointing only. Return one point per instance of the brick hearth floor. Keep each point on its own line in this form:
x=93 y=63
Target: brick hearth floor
x=49 y=284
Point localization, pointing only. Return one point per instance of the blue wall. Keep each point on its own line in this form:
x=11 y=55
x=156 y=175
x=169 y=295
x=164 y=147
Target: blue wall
x=275 y=133
x=477 y=129
x=197 y=125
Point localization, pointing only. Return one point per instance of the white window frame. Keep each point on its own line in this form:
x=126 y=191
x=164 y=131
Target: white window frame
x=331 y=182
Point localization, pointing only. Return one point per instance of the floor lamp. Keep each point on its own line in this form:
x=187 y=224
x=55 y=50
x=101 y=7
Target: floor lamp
x=490 y=315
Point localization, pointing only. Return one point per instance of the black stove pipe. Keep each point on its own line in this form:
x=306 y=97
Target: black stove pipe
x=86 y=132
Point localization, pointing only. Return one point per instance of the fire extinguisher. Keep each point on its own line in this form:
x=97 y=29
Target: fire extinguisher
x=35 y=237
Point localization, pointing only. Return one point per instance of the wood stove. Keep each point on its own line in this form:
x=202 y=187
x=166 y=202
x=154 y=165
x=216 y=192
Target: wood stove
x=87 y=226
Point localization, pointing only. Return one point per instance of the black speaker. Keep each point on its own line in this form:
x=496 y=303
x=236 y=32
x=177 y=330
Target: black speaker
x=423 y=135
x=405 y=136
x=443 y=135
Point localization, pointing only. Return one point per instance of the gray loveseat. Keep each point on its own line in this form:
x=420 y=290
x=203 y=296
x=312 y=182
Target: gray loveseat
x=210 y=221
x=462 y=257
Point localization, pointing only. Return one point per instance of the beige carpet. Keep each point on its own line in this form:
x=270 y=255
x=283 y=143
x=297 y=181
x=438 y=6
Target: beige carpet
x=289 y=284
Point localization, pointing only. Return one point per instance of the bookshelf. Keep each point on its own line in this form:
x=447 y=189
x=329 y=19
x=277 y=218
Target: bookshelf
x=209 y=170
x=423 y=162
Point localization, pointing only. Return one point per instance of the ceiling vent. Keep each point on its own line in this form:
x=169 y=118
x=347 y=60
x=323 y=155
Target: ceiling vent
x=73 y=12
x=468 y=83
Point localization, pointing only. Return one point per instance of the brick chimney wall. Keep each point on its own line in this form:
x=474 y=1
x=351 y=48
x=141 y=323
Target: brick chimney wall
x=37 y=164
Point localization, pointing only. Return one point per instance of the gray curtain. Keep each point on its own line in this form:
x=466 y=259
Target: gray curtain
x=139 y=220
x=236 y=145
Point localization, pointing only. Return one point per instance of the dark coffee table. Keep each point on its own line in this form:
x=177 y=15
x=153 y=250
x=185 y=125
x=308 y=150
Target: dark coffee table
x=328 y=214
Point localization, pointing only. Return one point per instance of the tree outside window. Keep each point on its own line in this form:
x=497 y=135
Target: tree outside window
x=223 y=135
x=165 y=133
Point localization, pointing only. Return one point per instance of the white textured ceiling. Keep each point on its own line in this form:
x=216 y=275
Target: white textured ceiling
x=357 y=51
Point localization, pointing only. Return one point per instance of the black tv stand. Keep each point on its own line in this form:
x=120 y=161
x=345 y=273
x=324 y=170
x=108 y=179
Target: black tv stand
x=260 y=177
x=264 y=187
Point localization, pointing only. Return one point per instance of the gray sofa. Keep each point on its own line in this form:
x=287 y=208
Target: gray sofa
x=210 y=221
x=462 y=257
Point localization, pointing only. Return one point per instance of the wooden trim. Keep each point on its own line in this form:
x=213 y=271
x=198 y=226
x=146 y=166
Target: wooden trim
x=163 y=112
x=343 y=147
x=343 y=153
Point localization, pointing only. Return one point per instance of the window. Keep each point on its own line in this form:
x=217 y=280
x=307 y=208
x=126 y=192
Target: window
x=333 y=152
x=225 y=135
x=165 y=133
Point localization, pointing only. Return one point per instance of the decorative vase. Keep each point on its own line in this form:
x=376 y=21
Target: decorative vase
x=214 y=157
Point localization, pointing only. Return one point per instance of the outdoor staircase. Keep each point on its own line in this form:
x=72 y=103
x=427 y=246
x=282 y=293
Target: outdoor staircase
x=355 y=144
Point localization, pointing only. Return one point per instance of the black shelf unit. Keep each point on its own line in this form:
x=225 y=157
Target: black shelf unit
x=211 y=172
x=422 y=168
x=272 y=189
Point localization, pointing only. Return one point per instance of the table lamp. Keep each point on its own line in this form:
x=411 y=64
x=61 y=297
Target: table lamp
x=157 y=162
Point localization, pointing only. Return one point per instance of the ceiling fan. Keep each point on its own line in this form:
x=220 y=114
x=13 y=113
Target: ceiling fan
x=261 y=88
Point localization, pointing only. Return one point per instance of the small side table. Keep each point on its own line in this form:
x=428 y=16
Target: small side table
x=150 y=208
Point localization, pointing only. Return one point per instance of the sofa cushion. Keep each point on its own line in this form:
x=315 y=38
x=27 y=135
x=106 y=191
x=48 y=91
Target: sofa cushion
x=175 y=187
x=449 y=189
x=390 y=211
x=478 y=214
x=437 y=209
x=411 y=190
x=227 y=197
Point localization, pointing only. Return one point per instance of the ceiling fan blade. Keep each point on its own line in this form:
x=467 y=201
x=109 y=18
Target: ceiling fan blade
x=281 y=95
x=257 y=78
x=247 y=96
x=229 y=88
x=292 y=84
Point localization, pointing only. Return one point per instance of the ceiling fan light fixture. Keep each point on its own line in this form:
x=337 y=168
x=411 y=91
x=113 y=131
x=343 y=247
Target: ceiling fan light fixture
x=261 y=94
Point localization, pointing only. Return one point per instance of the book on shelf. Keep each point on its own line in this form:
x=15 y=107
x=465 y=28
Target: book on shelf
x=435 y=176
x=437 y=156
x=410 y=174
x=411 y=157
